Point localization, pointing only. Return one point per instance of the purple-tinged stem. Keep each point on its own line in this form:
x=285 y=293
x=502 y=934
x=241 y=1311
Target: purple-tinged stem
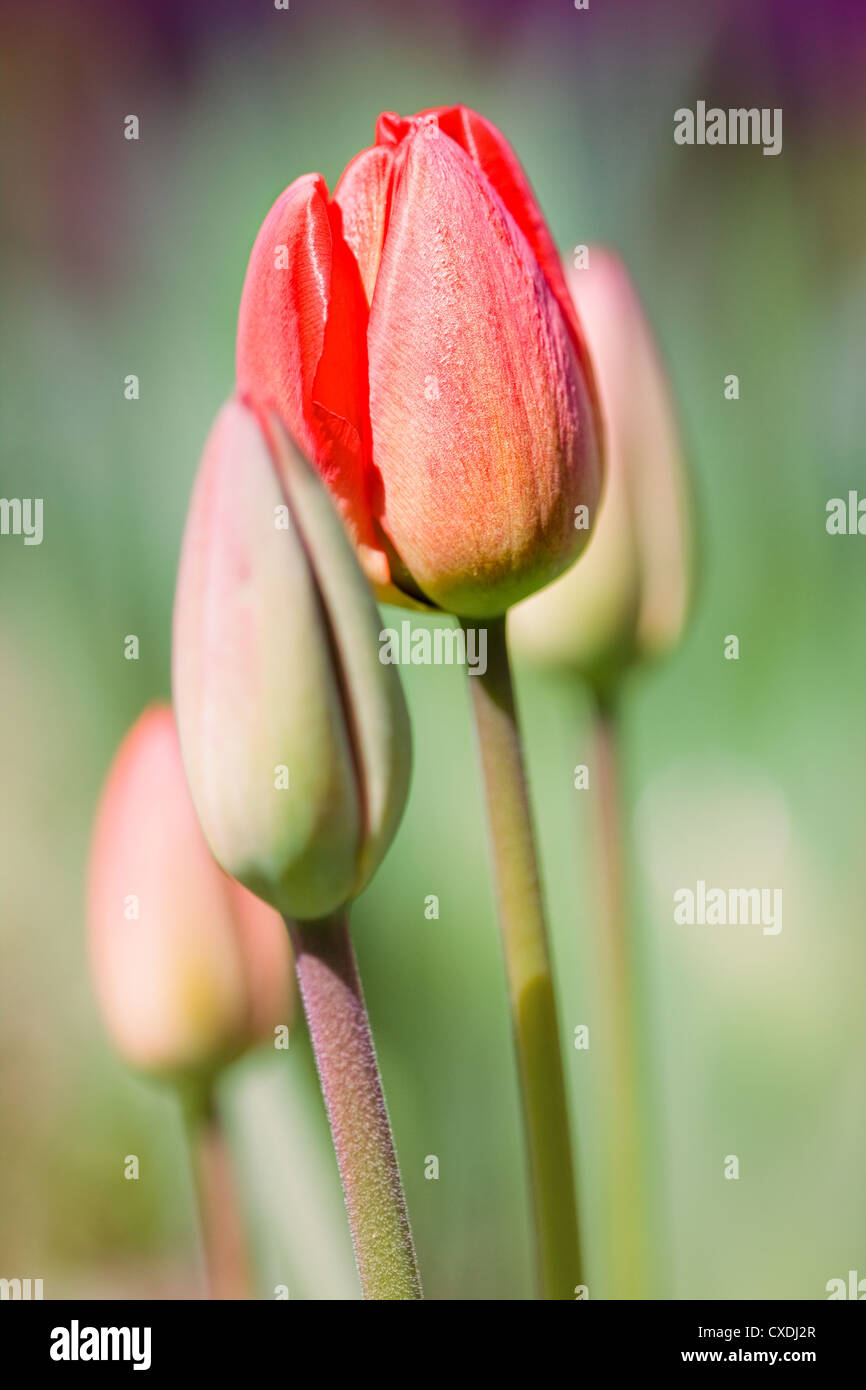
x=346 y=1059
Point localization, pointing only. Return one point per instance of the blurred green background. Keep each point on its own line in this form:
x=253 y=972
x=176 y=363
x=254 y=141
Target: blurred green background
x=122 y=257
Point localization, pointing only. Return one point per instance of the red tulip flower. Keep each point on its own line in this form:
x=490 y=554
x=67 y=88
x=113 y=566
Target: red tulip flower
x=416 y=335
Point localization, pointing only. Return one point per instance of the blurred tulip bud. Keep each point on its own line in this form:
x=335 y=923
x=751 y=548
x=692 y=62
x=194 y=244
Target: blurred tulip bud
x=190 y=969
x=416 y=335
x=627 y=599
x=295 y=736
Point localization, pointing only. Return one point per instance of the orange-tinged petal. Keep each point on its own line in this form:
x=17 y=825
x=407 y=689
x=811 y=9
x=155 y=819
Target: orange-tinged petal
x=493 y=155
x=482 y=420
x=188 y=966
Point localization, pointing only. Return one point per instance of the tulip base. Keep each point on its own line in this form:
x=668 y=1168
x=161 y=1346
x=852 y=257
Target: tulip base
x=529 y=972
x=349 y=1073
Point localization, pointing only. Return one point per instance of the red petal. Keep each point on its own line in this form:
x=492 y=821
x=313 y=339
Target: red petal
x=481 y=420
x=364 y=198
x=491 y=152
x=391 y=128
x=301 y=347
x=281 y=324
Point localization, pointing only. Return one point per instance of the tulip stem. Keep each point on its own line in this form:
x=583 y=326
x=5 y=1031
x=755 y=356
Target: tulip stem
x=624 y=1162
x=220 y=1215
x=530 y=977
x=346 y=1059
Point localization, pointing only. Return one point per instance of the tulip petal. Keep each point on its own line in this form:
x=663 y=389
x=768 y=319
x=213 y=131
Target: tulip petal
x=202 y=969
x=482 y=423
x=285 y=303
x=627 y=599
x=491 y=153
x=301 y=348
x=373 y=699
x=363 y=195
x=645 y=435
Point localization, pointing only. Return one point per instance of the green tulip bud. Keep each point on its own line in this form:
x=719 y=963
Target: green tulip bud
x=295 y=736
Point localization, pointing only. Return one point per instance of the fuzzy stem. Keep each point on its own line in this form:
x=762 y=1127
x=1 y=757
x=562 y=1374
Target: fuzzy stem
x=349 y=1073
x=530 y=979
x=625 y=1160
x=216 y=1194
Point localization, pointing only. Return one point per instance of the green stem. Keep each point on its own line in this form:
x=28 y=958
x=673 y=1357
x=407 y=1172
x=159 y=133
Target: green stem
x=216 y=1193
x=530 y=977
x=625 y=1158
x=349 y=1073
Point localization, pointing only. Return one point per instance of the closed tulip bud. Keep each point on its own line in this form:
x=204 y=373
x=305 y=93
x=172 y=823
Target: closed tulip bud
x=190 y=969
x=295 y=736
x=416 y=334
x=627 y=599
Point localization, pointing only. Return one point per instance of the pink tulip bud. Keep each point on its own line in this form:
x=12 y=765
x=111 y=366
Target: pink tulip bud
x=295 y=736
x=627 y=600
x=190 y=969
x=416 y=335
